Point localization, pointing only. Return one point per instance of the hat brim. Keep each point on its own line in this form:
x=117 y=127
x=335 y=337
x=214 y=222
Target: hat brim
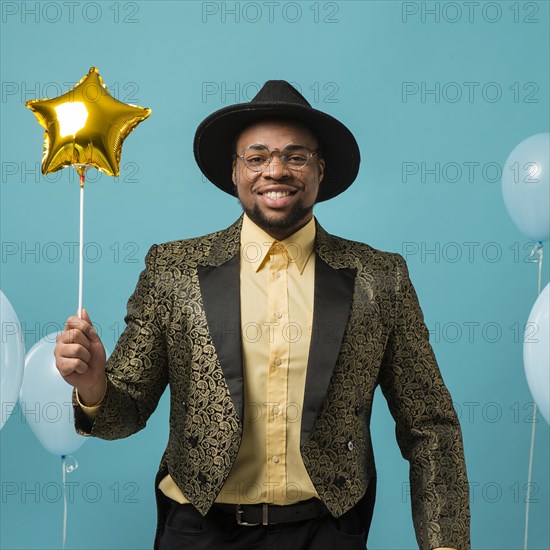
x=213 y=144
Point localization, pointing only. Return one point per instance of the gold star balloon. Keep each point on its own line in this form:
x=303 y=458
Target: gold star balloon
x=85 y=127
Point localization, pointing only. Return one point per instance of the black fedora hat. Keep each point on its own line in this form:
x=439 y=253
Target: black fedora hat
x=214 y=138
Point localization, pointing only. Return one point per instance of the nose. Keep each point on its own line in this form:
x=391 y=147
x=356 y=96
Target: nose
x=276 y=169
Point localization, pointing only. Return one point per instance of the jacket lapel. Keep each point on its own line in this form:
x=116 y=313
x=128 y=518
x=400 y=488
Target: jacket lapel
x=219 y=280
x=333 y=293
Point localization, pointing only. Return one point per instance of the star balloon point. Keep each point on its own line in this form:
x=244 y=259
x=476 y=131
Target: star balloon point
x=85 y=127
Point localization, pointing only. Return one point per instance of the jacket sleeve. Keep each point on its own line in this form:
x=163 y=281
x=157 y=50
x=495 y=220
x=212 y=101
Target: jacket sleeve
x=427 y=428
x=136 y=370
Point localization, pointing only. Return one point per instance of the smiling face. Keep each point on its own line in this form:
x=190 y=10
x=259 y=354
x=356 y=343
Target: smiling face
x=278 y=199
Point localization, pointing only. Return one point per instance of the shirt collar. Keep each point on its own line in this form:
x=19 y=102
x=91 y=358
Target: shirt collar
x=256 y=243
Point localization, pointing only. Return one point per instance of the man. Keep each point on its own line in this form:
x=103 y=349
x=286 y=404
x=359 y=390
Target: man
x=273 y=336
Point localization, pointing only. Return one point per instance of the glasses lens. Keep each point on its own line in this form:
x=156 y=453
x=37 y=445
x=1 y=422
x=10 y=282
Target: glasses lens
x=256 y=157
x=295 y=156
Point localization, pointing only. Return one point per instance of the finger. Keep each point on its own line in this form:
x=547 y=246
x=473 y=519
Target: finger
x=91 y=333
x=85 y=316
x=74 y=351
x=81 y=367
x=74 y=336
x=74 y=322
x=67 y=366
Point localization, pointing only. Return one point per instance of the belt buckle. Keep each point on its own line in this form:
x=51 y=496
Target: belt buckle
x=240 y=512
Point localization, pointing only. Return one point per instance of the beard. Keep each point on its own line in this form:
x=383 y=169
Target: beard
x=298 y=213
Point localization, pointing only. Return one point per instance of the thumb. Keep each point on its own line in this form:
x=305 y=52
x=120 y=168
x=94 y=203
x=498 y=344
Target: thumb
x=85 y=316
x=92 y=334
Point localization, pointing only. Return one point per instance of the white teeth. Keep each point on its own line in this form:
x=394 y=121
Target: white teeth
x=277 y=194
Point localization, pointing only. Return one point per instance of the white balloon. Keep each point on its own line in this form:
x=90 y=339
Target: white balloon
x=46 y=400
x=526 y=186
x=12 y=359
x=536 y=352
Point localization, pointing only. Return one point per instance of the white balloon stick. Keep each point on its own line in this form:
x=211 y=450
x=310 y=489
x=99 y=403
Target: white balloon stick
x=81 y=247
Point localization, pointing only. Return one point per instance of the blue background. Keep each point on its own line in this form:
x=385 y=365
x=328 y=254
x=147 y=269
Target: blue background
x=353 y=60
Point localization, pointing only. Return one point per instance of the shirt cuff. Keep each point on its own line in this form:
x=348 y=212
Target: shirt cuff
x=92 y=410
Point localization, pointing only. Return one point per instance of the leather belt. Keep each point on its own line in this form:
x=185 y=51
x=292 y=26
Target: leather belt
x=269 y=514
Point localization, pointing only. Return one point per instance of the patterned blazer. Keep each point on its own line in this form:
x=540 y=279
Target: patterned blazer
x=183 y=329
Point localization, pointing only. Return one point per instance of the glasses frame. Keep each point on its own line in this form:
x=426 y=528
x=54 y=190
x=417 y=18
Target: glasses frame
x=282 y=157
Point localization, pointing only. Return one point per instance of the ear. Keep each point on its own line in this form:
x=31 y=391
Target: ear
x=321 y=164
x=234 y=172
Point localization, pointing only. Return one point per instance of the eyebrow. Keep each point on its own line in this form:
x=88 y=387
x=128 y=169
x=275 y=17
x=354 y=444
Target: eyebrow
x=257 y=146
x=289 y=146
x=294 y=146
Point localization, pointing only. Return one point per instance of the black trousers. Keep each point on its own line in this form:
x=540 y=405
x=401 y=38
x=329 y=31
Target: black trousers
x=187 y=529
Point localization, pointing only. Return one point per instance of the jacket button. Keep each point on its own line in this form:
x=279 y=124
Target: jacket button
x=350 y=445
x=358 y=410
x=192 y=441
x=340 y=481
x=202 y=478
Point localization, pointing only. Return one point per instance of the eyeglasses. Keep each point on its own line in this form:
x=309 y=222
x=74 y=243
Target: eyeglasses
x=258 y=157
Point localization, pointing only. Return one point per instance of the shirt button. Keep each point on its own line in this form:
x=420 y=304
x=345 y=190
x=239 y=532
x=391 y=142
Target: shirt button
x=276 y=410
x=350 y=445
x=278 y=314
x=278 y=275
x=277 y=361
x=275 y=459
